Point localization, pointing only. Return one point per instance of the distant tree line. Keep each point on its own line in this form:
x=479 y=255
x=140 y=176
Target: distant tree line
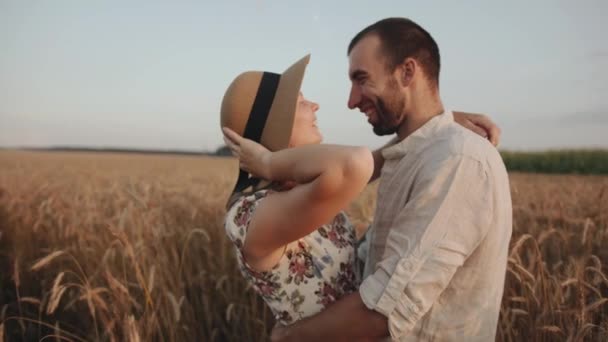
x=558 y=161
x=590 y=161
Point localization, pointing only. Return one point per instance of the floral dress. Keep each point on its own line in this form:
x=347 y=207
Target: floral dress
x=314 y=271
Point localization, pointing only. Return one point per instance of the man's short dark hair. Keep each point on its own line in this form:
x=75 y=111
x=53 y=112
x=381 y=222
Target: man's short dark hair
x=402 y=38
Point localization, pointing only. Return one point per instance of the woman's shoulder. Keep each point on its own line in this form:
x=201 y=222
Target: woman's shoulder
x=239 y=214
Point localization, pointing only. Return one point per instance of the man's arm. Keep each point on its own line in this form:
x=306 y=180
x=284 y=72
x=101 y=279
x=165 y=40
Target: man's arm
x=346 y=320
x=443 y=222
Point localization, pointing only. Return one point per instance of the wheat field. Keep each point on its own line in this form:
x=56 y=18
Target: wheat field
x=125 y=247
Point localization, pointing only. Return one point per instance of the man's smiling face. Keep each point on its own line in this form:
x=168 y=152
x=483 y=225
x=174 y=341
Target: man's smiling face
x=374 y=89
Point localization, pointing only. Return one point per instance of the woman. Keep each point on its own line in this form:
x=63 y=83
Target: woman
x=294 y=243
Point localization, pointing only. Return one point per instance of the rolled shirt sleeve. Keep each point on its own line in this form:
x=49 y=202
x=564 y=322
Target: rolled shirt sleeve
x=446 y=216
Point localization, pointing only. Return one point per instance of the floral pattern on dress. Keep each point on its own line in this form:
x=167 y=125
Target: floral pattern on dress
x=347 y=280
x=243 y=213
x=314 y=271
x=300 y=264
x=338 y=233
x=267 y=284
x=326 y=294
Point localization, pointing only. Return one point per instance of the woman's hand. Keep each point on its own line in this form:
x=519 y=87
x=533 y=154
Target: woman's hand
x=480 y=124
x=253 y=157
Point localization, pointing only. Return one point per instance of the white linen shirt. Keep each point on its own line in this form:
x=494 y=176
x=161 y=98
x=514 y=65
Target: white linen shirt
x=439 y=240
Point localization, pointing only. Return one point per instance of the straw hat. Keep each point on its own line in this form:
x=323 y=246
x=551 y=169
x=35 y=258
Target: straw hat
x=261 y=106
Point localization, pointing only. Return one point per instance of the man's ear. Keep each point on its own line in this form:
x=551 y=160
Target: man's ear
x=406 y=71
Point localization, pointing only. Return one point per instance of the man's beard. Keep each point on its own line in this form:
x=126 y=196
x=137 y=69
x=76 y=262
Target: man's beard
x=389 y=111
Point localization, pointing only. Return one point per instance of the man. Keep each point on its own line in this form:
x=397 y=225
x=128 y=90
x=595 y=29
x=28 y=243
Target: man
x=438 y=244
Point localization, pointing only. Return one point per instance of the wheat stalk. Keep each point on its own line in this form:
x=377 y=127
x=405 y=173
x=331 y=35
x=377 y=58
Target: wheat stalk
x=46 y=260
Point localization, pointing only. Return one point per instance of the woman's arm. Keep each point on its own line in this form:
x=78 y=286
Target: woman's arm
x=330 y=177
x=480 y=124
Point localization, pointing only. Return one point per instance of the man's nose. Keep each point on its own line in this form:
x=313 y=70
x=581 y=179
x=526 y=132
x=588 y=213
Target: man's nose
x=354 y=98
x=315 y=106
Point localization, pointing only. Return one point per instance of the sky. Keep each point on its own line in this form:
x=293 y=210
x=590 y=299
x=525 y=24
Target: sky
x=151 y=74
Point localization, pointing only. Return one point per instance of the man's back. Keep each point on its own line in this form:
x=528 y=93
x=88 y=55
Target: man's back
x=439 y=241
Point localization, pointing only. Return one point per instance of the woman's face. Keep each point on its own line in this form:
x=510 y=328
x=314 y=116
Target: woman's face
x=305 y=130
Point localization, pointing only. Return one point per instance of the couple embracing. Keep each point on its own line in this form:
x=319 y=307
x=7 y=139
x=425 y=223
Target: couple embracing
x=434 y=258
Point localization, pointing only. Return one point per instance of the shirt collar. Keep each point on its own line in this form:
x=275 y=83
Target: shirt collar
x=420 y=137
